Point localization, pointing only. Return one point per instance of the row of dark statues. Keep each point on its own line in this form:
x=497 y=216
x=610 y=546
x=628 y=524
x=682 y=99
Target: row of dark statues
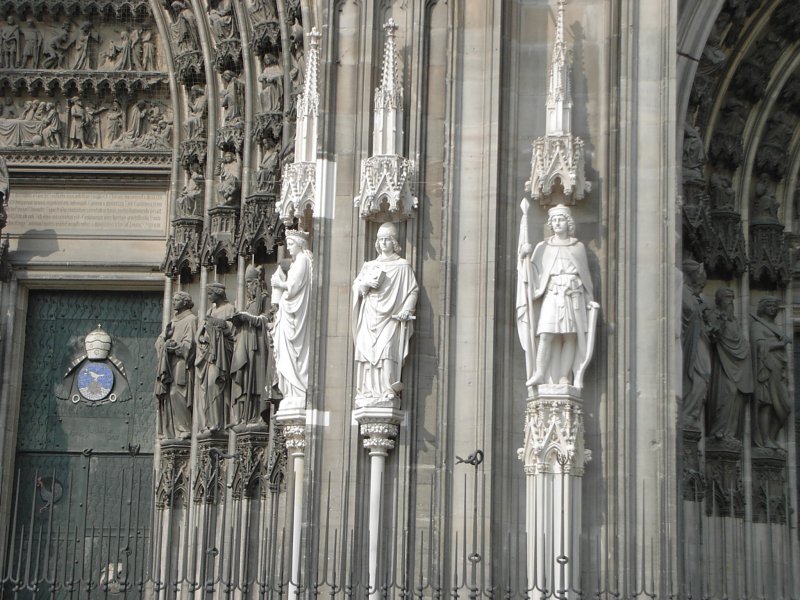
x=224 y=362
x=723 y=371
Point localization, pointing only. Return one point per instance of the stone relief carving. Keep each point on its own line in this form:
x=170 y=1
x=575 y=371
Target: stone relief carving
x=222 y=19
x=556 y=311
x=175 y=349
x=252 y=366
x=32 y=45
x=266 y=27
x=694 y=162
x=384 y=300
x=189 y=202
x=291 y=335
x=231 y=99
x=770 y=358
x=771 y=158
x=85 y=47
x=173 y=475
x=751 y=78
x=726 y=144
x=769 y=251
x=198 y=113
x=10 y=44
x=271 y=79
x=214 y=353
x=230 y=184
x=731 y=373
x=696 y=325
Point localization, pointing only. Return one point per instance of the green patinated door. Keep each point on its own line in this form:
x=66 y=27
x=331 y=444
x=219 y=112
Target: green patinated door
x=85 y=454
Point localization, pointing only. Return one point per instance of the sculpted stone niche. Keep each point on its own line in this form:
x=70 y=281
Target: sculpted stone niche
x=556 y=311
x=175 y=348
x=384 y=300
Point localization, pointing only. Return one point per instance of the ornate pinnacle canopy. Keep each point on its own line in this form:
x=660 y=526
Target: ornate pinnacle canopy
x=390 y=93
x=558 y=156
x=386 y=192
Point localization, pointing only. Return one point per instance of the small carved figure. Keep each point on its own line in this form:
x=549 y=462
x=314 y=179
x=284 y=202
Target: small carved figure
x=198 y=113
x=771 y=395
x=384 y=300
x=51 y=132
x=32 y=48
x=694 y=156
x=696 y=324
x=85 y=46
x=267 y=174
x=232 y=99
x=731 y=373
x=213 y=365
x=78 y=124
x=221 y=17
x=138 y=126
x=723 y=197
x=184 y=28
x=144 y=51
x=119 y=56
x=115 y=124
x=230 y=184
x=252 y=368
x=556 y=311
x=175 y=349
x=291 y=334
x=766 y=205
x=190 y=201
x=263 y=11
x=271 y=79
x=10 y=44
x=55 y=49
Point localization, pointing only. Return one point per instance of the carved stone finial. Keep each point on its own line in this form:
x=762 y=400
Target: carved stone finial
x=298 y=187
x=386 y=192
x=558 y=156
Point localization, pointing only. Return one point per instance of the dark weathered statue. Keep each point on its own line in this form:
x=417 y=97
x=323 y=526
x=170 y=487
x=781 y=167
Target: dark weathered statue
x=771 y=394
x=175 y=373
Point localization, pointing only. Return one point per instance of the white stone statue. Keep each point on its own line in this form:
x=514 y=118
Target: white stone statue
x=556 y=311
x=291 y=332
x=384 y=300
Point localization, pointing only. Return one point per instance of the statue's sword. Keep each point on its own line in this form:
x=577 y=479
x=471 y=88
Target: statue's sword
x=594 y=308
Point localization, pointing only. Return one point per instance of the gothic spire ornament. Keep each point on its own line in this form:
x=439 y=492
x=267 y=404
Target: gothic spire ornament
x=558 y=156
x=298 y=188
x=386 y=192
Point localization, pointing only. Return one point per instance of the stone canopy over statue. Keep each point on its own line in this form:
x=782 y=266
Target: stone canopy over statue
x=555 y=309
x=384 y=300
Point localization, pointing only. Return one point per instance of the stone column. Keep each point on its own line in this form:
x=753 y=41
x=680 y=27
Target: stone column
x=293 y=421
x=379 y=426
x=554 y=457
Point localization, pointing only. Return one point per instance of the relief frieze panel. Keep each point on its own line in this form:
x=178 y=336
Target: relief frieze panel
x=84 y=83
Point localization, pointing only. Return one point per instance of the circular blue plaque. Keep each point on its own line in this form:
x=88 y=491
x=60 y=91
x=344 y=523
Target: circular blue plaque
x=95 y=381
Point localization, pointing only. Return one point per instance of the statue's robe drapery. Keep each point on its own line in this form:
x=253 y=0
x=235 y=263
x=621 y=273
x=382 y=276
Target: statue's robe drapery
x=291 y=333
x=213 y=367
x=175 y=377
x=554 y=288
x=731 y=382
x=381 y=341
x=696 y=355
x=252 y=366
x=769 y=371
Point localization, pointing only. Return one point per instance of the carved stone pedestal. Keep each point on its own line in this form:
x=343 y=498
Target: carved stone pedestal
x=554 y=457
x=172 y=491
x=173 y=475
x=298 y=190
x=259 y=225
x=769 y=485
x=183 y=247
x=769 y=254
x=250 y=471
x=694 y=482
x=293 y=424
x=220 y=242
x=725 y=491
x=379 y=426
